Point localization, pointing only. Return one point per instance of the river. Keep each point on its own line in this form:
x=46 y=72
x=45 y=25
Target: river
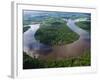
x=36 y=49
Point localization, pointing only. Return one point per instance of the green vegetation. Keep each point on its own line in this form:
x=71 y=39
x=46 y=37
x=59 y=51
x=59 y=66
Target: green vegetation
x=84 y=25
x=30 y=63
x=26 y=28
x=54 y=31
x=35 y=19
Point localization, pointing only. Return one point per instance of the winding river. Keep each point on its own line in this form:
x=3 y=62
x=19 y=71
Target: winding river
x=82 y=33
x=36 y=49
x=30 y=45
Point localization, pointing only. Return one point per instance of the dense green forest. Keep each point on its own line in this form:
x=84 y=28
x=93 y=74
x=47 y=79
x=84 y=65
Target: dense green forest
x=54 y=31
x=86 y=25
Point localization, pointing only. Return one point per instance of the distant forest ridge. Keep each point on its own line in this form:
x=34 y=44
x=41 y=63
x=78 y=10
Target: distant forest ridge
x=38 y=16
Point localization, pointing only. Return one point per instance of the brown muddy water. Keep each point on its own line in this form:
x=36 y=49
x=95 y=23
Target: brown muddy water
x=74 y=49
